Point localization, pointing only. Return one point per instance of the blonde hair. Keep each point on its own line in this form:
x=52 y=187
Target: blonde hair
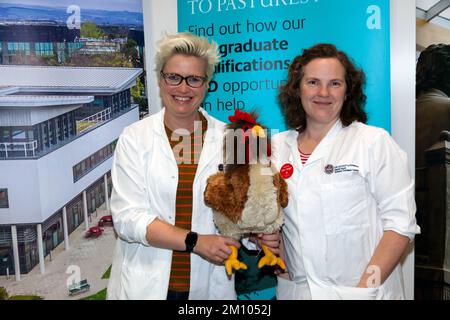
x=186 y=43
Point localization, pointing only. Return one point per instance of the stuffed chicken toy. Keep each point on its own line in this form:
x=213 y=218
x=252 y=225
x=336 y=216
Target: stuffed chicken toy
x=248 y=196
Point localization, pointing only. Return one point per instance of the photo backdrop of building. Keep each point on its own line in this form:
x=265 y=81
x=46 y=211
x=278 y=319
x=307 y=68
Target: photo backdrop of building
x=71 y=79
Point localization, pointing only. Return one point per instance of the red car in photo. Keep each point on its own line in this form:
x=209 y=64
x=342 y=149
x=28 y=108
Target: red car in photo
x=95 y=231
x=105 y=220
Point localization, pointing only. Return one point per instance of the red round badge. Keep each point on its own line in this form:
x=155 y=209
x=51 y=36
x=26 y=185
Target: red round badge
x=286 y=170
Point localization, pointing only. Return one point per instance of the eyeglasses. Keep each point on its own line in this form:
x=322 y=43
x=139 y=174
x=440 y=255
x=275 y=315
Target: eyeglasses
x=174 y=79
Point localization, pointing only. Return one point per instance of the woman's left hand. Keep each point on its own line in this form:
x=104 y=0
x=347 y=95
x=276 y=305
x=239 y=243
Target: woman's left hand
x=271 y=240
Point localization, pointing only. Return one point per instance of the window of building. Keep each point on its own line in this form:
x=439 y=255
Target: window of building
x=115 y=103
x=31 y=135
x=6 y=134
x=19 y=47
x=51 y=131
x=18 y=134
x=107 y=101
x=45 y=137
x=14 y=134
x=59 y=129
x=4 y=198
x=66 y=126
x=88 y=164
x=72 y=125
x=77 y=170
x=74 y=46
x=98 y=102
x=43 y=48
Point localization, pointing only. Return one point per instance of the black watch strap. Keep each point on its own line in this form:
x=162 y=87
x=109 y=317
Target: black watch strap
x=191 y=241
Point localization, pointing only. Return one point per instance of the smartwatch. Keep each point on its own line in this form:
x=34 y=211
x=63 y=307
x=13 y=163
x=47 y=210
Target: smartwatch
x=190 y=241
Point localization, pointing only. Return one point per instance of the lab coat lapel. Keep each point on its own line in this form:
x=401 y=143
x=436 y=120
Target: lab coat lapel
x=212 y=145
x=293 y=155
x=161 y=136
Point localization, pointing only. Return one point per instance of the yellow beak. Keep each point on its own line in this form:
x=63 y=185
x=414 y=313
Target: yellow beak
x=258 y=131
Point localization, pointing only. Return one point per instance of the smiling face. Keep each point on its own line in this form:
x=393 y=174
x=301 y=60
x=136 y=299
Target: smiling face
x=322 y=91
x=182 y=101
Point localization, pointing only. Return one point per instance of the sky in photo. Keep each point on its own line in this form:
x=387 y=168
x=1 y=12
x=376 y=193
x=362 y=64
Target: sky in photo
x=110 y=5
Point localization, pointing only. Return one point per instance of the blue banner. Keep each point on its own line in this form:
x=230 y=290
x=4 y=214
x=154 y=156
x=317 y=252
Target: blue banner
x=259 y=38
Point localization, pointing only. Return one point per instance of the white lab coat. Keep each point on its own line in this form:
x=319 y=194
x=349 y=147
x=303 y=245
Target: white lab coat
x=334 y=221
x=145 y=179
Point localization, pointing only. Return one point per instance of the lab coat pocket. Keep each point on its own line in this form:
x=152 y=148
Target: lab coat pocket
x=141 y=284
x=354 y=293
x=290 y=290
x=286 y=289
x=344 y=204
x=220 y=286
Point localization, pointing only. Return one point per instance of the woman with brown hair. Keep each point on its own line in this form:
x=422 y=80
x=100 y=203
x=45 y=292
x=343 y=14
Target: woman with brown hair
x=351 y=211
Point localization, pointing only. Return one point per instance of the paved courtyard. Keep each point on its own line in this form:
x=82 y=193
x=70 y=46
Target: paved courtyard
x=93 y=256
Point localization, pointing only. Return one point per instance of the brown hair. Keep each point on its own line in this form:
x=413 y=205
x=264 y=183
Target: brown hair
x=289 y=95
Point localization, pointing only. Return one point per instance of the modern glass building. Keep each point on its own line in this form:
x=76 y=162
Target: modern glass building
x=58 y=130
x=19 y=42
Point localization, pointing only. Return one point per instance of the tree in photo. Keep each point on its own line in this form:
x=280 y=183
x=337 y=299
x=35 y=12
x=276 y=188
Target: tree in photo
x=91 y=30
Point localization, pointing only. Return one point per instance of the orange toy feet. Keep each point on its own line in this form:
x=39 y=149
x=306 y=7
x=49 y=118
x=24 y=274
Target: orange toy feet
x=233 y=263
x=270 y=259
